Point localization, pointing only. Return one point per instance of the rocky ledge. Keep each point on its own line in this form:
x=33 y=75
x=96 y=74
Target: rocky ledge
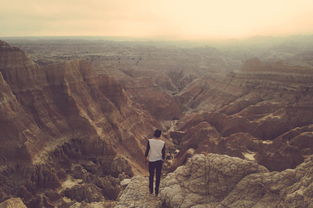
x=136 y=195
x=220 y=181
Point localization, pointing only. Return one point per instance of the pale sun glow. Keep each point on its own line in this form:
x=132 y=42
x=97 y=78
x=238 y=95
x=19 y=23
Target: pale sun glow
x=175 y=19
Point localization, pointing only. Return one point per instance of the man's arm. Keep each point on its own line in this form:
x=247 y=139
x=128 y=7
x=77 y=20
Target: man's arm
x=163 y=152
x=147 y=149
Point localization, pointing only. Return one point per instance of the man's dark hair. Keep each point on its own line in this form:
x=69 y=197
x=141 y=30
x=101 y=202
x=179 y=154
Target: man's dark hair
x=157 y=133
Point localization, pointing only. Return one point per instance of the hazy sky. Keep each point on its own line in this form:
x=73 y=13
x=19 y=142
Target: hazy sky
x=183 y=19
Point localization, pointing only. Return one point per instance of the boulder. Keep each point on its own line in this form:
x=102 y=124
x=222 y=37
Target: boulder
x=220 y=181
x=204 y=179
x=13 y=203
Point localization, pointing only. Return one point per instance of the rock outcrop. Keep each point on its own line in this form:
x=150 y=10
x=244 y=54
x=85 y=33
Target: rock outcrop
x=205 y=180
x=220 y=181
x=13 y=203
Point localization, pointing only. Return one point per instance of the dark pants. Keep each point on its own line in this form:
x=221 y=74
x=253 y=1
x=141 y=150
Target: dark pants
x=155 y=167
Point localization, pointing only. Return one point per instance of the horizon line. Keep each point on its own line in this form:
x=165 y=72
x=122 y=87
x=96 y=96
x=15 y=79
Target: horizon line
x=159 y=38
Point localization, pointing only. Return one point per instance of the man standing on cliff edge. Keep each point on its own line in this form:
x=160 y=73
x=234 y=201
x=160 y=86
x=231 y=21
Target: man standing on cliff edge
x=155 y=154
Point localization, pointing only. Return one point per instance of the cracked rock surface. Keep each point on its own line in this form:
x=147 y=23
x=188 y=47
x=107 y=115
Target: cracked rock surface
x=206 y=179
x=220 y=181
x=136 y=195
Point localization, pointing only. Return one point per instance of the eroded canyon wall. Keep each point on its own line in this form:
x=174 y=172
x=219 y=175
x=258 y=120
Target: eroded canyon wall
x=62 y=119
x=249 y=114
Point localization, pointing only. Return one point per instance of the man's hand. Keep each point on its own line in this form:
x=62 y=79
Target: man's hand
x=146 y=160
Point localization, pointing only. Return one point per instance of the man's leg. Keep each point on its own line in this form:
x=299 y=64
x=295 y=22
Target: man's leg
x=159 y=165
x=151 y=176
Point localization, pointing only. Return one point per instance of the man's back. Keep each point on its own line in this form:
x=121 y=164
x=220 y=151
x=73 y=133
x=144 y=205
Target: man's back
x=156 y=150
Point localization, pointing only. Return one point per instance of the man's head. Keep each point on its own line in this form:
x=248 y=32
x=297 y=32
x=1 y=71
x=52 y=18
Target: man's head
x=157 y=133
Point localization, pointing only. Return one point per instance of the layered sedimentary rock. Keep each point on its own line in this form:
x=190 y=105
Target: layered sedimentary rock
x=60 y=117
x=153 y=91
x=249 y=114
x=71 y=133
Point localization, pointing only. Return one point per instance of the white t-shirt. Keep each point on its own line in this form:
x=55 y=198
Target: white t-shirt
x=155 y=152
